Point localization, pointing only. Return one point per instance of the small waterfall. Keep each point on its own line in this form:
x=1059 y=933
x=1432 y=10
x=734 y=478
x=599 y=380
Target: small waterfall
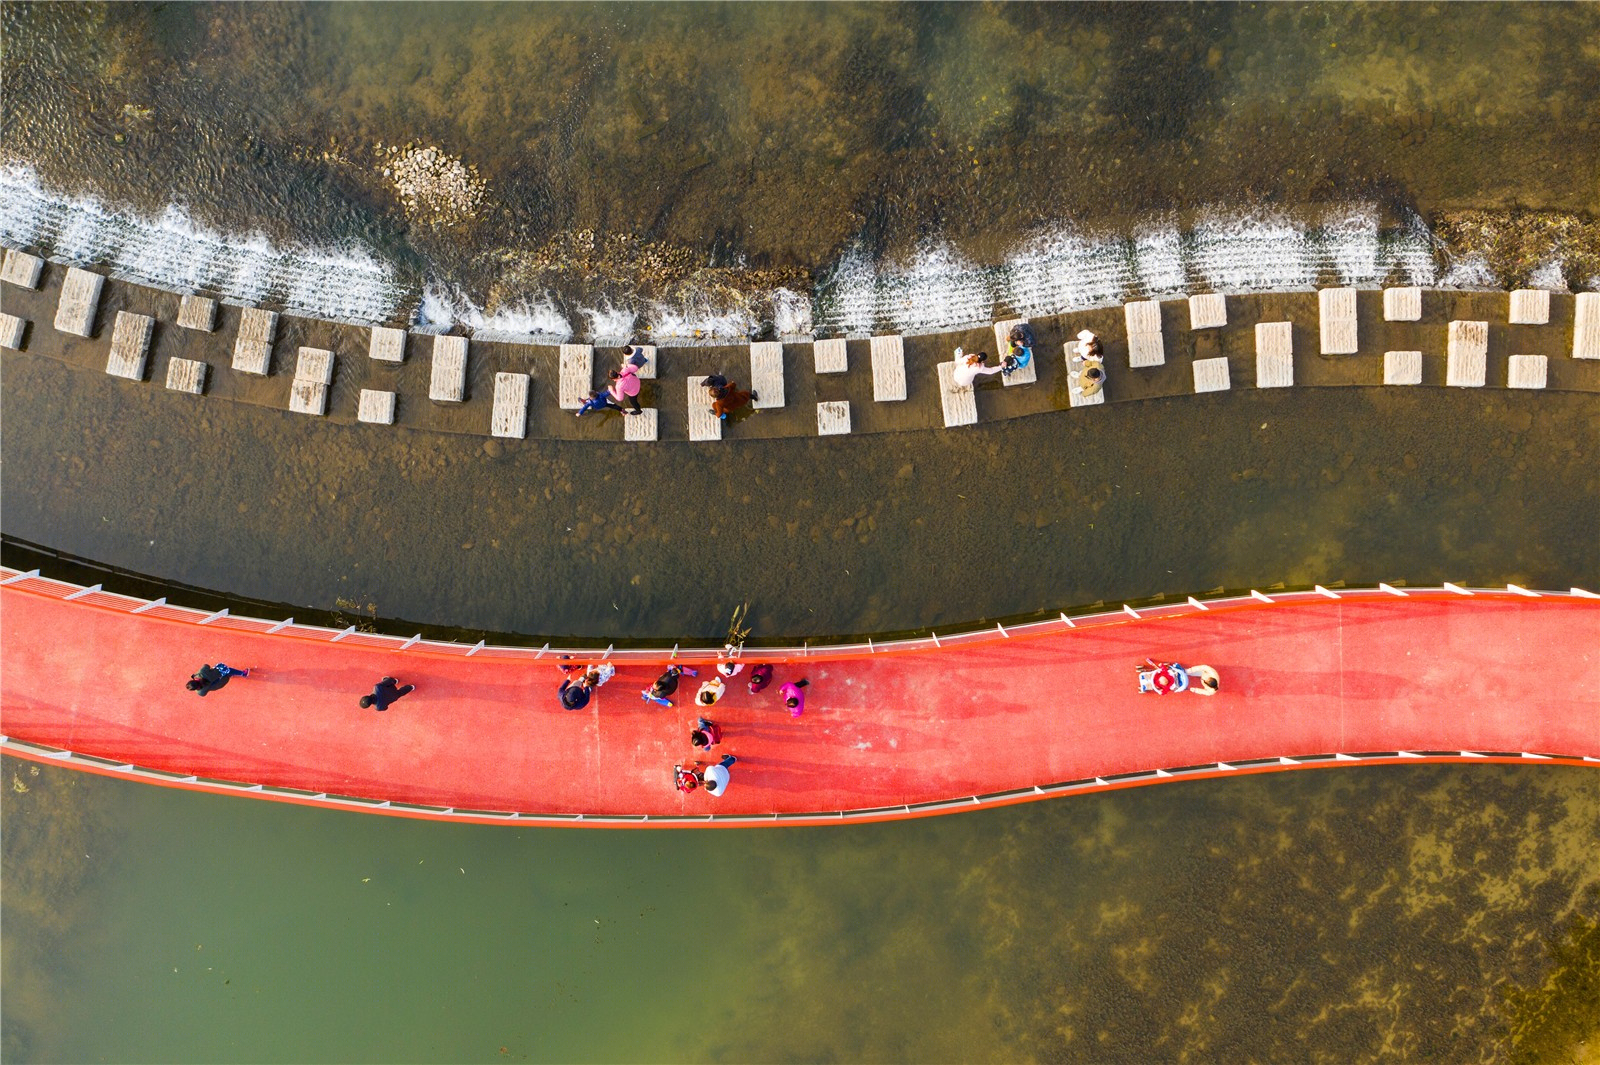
x=177 y=253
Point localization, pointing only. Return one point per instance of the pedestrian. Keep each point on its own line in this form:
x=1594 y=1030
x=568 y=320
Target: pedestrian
x=1089 y=346
x=727 y=662
x=568 y=666
x=714 y=382
x=715 y=777
x=707 y=733
x=660 y=692
x=385 y=692
x=710 y=691
x=970 y=367
x=760 y=677
x=625 y=386
x=599 y=399
x=1091 y=376
x=574 y=694
x=635 y=357
x=1019 y=349
x=793 y=697
x=598 y=675
x=208 y=679
x=729 y=398
x=687 y=778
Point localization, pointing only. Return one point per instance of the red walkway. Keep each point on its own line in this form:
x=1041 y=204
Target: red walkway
x=1482 y=674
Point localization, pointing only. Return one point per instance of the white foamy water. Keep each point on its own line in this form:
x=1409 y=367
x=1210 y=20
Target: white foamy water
x=175 y=252
x=444 y=306
x=1064 y=270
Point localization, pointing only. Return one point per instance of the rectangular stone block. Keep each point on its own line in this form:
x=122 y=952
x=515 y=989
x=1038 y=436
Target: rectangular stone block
x=1145 y=345
x=830 y=356
x=703 y=423
x=888 y=369
x=1402 y=367
x=1274 y=370
x=1467 y=355
x=197 y=312
x=641 y=427
x=960 y=404
x=11 y=330
x=79 y=302
x=510 y=417
x=1209 y=311
x=1211 y=375
x=766 y=374
x=21 y=269
x=1526 y=371
x=130 y=343
x=314 y=364
x=252 y=351
x=1402 y=304
x=375 y=407
x=388 y=344
x=308 y=397
x=447 y=377
x=1530 y=306
x=1274 y=338
x=186 y=375
x=1338 y=316
x=833 y=418
x=1586 y=327
x=577 y=375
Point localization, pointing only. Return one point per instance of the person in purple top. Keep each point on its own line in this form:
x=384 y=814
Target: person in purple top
x=794 y=697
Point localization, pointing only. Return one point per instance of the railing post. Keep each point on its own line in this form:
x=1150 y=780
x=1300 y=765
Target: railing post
x=152 y=604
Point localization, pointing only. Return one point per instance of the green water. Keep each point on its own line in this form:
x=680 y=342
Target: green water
x=1430 y=914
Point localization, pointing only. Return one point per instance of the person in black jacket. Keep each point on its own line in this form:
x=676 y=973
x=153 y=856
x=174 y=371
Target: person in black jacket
x=209 y=678
x=385 y=692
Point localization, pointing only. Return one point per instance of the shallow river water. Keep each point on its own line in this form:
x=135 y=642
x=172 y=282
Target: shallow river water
x=601 y=169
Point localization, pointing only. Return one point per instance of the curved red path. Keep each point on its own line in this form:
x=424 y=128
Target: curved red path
x=1362 y=674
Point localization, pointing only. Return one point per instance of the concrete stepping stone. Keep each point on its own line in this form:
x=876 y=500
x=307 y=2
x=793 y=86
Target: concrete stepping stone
x=375 y=407
x=1025 y=375
x=198 y=313
x=130 y=343
x=388 y=344
x=1403 y=304
x=703 y=424
x=1208 y=311
x=1530 y=306
x=510 y=418
x=21 y=269
x=1527 y=371
x=1467 y=354
x=1211 y=375
x=642 y=427
x=833 y=418
x=80 y=300
x=1145 y=347
x=447 y=378
x=766 y=374
x=888 y=369
x=1274 y=354
x=830 y=356
x=187 y=375
x=1402 y=367
x=1338 y=315
x=960 y=404
x=576 y=375
x=252 y=351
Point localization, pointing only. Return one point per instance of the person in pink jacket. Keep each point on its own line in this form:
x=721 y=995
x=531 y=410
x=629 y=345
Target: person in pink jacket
x=625 y=386
x=794 y=697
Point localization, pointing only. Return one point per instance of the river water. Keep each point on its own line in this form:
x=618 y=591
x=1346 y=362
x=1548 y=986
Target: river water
x=685 y=167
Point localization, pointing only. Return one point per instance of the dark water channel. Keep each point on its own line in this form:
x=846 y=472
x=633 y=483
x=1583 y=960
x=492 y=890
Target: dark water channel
x=822 y=536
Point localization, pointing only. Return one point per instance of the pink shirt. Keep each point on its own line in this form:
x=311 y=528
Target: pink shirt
x=791 y=691
x=627 y=384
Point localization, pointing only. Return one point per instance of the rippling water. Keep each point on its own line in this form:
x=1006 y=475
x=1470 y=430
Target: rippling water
x=712 y=171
